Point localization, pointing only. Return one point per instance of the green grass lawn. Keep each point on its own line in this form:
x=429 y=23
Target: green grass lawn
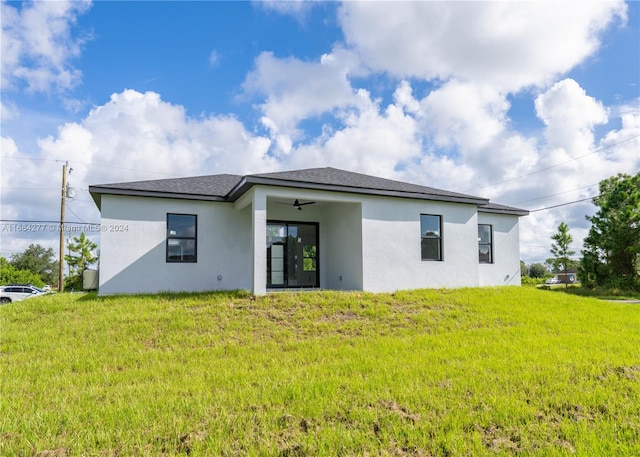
x=495 y=371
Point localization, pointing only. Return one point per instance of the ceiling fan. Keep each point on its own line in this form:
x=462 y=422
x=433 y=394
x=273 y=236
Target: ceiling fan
x=297 y=204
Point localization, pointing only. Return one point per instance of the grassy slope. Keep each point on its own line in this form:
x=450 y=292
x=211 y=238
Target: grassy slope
x=453 y=372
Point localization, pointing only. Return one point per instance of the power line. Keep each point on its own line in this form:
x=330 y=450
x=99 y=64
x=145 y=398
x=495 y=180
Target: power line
x=556 y=165
x=571 y=203
x=552 y=195
x=563 y=204
x=71 y=211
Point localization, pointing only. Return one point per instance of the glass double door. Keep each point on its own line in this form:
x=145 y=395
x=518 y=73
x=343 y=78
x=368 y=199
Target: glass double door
x=292 y=254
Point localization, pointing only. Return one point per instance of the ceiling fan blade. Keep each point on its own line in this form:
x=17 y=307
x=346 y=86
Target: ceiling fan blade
x=296 y=204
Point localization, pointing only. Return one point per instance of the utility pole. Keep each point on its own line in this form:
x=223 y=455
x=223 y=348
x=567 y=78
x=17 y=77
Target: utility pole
x=62 y=205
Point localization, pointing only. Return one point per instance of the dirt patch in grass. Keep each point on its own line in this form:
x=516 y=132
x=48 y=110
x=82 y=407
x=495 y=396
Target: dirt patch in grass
x=59 y=452
x=632 y=373
x=497 y=439
x=346 y=315
x=622 y=373
x=404 y=450
x=288 y=445
x=183 y=444
x=399 y=410
x=575 y=413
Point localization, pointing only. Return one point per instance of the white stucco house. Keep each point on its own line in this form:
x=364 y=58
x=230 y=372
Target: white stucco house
x=316 y=228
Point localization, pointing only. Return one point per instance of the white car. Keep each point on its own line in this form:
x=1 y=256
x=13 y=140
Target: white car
x=553 y=281
x=17 y=292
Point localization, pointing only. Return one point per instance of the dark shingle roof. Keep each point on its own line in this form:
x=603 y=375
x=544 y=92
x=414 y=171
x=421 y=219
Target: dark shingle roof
x=213 y=187
x=356 y=181
x=226 y=187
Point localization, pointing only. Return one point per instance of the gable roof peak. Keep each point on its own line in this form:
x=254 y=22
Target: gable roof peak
x=329 y=178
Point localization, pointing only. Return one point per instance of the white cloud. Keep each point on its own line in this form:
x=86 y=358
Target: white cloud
x=7 y=112
x=565 y=150
x=403 y=96
x=372 y=140
x=136 y=129
x=296 y=90
x=466 y=137
x=570 y=115
x=466 y=115
x=214 y=58
x=623 y=145
x=295 y=8
x=509 y=45
x=38 y=46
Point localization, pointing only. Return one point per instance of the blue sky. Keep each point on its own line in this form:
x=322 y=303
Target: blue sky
x=527 y=103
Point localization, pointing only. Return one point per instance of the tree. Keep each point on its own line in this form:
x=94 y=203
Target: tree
x=81 y=259
x=524 y=269
x=612 y=248
x=38 y=260
x=560 y=249
x=11 y=275
x=537 y=270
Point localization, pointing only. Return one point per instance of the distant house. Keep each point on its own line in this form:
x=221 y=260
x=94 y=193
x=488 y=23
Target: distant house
x=568 y=277
x=316 y=228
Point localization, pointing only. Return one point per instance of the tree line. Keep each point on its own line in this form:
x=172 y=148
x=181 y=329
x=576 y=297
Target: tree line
x=38 y=265
x=611 y=250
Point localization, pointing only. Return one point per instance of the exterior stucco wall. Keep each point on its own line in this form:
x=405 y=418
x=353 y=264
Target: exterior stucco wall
x=133 y=261
x=392 y=257
x=505 y=269
x=342 y=235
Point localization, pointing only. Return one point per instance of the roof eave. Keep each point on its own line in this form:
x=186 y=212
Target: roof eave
x=98 y=191
x=509 y=211
x=239 y=189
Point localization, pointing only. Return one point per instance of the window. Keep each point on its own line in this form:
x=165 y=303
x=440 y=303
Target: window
x=431 y=236
x=182 y=237
x=485 y=243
